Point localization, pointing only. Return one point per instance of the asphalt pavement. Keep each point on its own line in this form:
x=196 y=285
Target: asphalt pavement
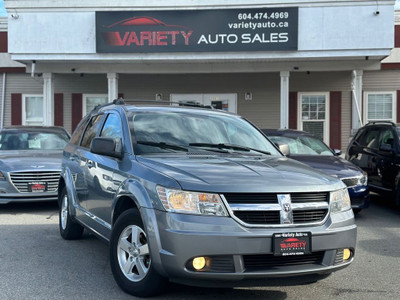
x=36 y=263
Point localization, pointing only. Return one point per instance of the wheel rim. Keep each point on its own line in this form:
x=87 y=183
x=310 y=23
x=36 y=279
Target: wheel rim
x=133 y=253
x=64 y=212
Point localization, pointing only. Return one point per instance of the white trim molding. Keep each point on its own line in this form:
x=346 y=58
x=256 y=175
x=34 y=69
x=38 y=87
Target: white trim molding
x=327 y=112
x=365 y=105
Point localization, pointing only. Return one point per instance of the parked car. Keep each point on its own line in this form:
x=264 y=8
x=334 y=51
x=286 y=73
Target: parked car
x=309 y=149
x=202 y=197
x=375 y=148
x=30 y=163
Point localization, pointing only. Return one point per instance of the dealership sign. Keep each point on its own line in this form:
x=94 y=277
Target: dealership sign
x=261 y=29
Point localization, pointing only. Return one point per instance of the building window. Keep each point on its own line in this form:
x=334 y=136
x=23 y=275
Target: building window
x=314 y=115
x=90 y=101
x=379 y=106
x=32 y=110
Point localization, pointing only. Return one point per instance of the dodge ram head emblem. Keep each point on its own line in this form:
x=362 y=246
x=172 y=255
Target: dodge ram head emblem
x=286 y=209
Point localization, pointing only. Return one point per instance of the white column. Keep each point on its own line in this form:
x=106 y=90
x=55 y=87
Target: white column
x=112 y=86
x=285 y=99
x=356 y=87
x=48 y=99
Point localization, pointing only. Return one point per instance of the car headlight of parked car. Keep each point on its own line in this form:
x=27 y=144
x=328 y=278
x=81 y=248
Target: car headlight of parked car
x=2 y=177
x=363 y=179
x=340 y=201
x=191 y=202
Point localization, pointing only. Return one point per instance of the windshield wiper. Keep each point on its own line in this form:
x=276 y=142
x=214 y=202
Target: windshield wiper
x=163 y=145
x=228 y=146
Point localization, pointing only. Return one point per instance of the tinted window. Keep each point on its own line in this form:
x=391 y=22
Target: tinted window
x=387 y=137
x=91 y=131
x=370 y=138
x=33 y=140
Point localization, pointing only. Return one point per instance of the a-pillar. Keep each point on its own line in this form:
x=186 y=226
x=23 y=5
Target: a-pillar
x=284 y=99
x=357 y=100
x=112 y=86
x=48 y=98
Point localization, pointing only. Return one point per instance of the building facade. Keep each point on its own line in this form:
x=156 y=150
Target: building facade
x=311 y=65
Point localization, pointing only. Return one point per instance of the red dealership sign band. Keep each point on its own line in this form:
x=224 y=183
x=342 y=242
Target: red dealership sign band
x=263 y=29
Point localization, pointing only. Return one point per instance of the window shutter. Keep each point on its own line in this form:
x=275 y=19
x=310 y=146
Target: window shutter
x=16 y=109
x=59 y=109
x=335 y=126
x=76 y=110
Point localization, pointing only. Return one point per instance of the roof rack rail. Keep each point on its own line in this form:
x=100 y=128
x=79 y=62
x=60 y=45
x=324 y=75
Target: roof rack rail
x=121 y=101
x=188 y=103
x=380 y=122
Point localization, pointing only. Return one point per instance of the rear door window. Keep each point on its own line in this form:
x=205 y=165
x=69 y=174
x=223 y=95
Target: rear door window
x=91 y=130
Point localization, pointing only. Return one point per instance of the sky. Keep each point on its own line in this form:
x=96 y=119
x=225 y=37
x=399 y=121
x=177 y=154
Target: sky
x=4 y=13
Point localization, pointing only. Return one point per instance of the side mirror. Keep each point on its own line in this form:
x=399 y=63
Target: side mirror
x=386 y=148
x=284 y=148
x=337 y=152
x=105 y=146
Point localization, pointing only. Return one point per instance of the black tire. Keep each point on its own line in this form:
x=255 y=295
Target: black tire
x=136 y=256
x=356 y=211
x=69 y=229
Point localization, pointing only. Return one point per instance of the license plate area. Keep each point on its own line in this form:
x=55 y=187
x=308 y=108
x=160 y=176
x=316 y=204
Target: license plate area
x=292 y=243
x=37 y=186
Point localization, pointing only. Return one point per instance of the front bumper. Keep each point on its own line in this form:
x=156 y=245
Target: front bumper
x=245 y=254
x=27 y=197
x=359 y=197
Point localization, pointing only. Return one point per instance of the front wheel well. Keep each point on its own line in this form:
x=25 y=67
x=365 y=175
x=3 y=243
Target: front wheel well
x=124 y=203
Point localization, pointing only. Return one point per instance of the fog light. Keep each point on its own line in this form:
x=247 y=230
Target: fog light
x=199 y=263
x=346 y=254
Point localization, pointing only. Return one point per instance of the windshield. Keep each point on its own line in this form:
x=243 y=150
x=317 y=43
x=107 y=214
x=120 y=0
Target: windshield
x=155 y=132
x=32 y=140
x=303 y=145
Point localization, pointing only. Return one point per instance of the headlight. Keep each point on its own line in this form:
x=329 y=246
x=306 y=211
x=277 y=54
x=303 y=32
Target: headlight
x=191 y=202
x=340 y=201
x=363 y=180
x=2 y=177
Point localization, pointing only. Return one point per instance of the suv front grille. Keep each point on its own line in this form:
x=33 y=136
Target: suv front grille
x=264 y=209
x=21 y=180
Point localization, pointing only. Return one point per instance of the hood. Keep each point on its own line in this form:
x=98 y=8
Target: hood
x=257 y=174
x=30 y=160
x=332 y=165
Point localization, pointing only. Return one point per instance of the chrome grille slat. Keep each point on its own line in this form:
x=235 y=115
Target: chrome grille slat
x=21 y=180
x=264 y=209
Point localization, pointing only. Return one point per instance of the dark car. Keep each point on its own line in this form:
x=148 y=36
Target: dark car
x=30 y=163
x=375 y=148
x=309 y=149
x=200 y=197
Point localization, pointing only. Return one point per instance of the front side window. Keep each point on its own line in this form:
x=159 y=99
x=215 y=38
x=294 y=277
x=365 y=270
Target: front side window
x=33 y=140
x=194 y=131
x=91 y=130
x=387 y=137
x=380 y=106
x=32 y=110
x=112 y=127
x=313 y=114
x=370 y=138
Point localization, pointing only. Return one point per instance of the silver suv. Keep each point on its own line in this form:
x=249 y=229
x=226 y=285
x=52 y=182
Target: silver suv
x=202 y=197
